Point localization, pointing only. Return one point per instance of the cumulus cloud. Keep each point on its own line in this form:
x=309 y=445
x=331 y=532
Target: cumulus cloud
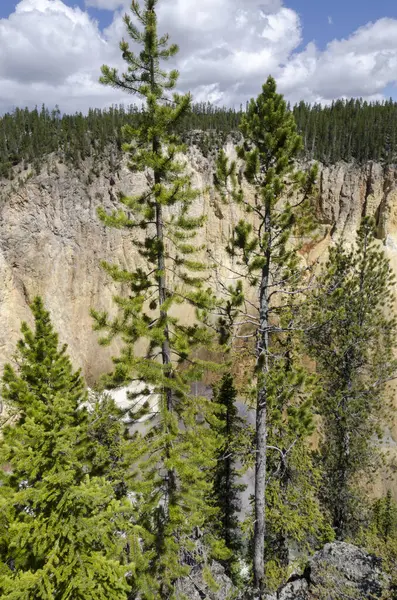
x=52 y=52
x=45 y=42
x=361 y=66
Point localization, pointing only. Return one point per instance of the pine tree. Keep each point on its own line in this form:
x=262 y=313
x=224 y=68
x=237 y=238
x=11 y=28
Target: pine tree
x=378 y=535
x=180 y=447
x=64 y=534
x=385 y=517
x=353 y=346
x=110 y=448
x=350 y=130
x=271 y=265
x=294 y=516
x=226 y=488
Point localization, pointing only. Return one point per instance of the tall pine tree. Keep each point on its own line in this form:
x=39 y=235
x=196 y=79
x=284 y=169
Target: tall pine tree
x=179 y=447
x=353 y=346
x=277 y=213
x=64 y=533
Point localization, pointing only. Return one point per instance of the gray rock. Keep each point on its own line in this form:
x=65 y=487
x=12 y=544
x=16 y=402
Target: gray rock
x=345 y=569
x=339 y=571
x=295 y=590
x=196 y=586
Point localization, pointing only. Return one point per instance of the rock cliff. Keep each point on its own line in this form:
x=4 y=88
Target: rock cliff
x=51 y=241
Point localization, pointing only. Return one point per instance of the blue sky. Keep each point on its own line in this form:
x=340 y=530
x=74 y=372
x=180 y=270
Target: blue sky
x=346 y=16
x=318 y=50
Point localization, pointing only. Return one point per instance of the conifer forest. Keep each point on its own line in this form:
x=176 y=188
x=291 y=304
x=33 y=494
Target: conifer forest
x=283 y=370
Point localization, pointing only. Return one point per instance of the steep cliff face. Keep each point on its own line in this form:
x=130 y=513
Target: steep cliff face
x=52 y=244
x=348 y=191
x=51 y=241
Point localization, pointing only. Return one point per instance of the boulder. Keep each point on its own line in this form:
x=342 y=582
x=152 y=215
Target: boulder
x=348 y=571
x=339 y=571
x=198 y=587
x=294 y=590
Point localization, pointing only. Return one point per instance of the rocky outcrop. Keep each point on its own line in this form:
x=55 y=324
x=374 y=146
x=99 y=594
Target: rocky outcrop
x=339 y=571
x=348 y=191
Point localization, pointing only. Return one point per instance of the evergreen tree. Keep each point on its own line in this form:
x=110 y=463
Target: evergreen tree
x=379 y=536
x=385 y=517
x=348 y=130
x=353 y=346
x=269 y=262
x=110 y=447
x=179 y=448
x=226 y=489
x=64 y=534
x=295 y=520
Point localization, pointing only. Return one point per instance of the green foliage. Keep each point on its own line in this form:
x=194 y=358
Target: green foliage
x=178 y=448
x=295 y=519
x=294 y=516
x=64 y=533
x=385 y=517
x=379 y=536
x=353 y=344
x=345 y=130
x=268 y=261
x=226 y=489
x=110 y=448
x=349 y=130
x=29 y=136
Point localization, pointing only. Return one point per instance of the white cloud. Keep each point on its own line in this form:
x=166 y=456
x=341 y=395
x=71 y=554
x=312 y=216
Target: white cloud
x=330 y=21
x=45 y=41
x=52 y=52
x=361 y=65
x=105 y=4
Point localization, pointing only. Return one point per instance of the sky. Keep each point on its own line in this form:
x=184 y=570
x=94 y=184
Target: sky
x=51 y=51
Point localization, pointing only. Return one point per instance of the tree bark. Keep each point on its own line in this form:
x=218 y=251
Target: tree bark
x=165 y=346
x=261 y=421
x=162 y=292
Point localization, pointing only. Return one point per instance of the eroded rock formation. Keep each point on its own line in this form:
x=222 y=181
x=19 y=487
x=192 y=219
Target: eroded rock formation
x=52 y=242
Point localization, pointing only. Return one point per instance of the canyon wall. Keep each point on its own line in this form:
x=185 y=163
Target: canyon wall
x=52 y=242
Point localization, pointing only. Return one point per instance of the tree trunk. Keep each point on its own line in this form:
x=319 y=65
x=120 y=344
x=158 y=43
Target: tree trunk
x=162 y=290
x=260 y=488
x=165 y=347
x=261 y=422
